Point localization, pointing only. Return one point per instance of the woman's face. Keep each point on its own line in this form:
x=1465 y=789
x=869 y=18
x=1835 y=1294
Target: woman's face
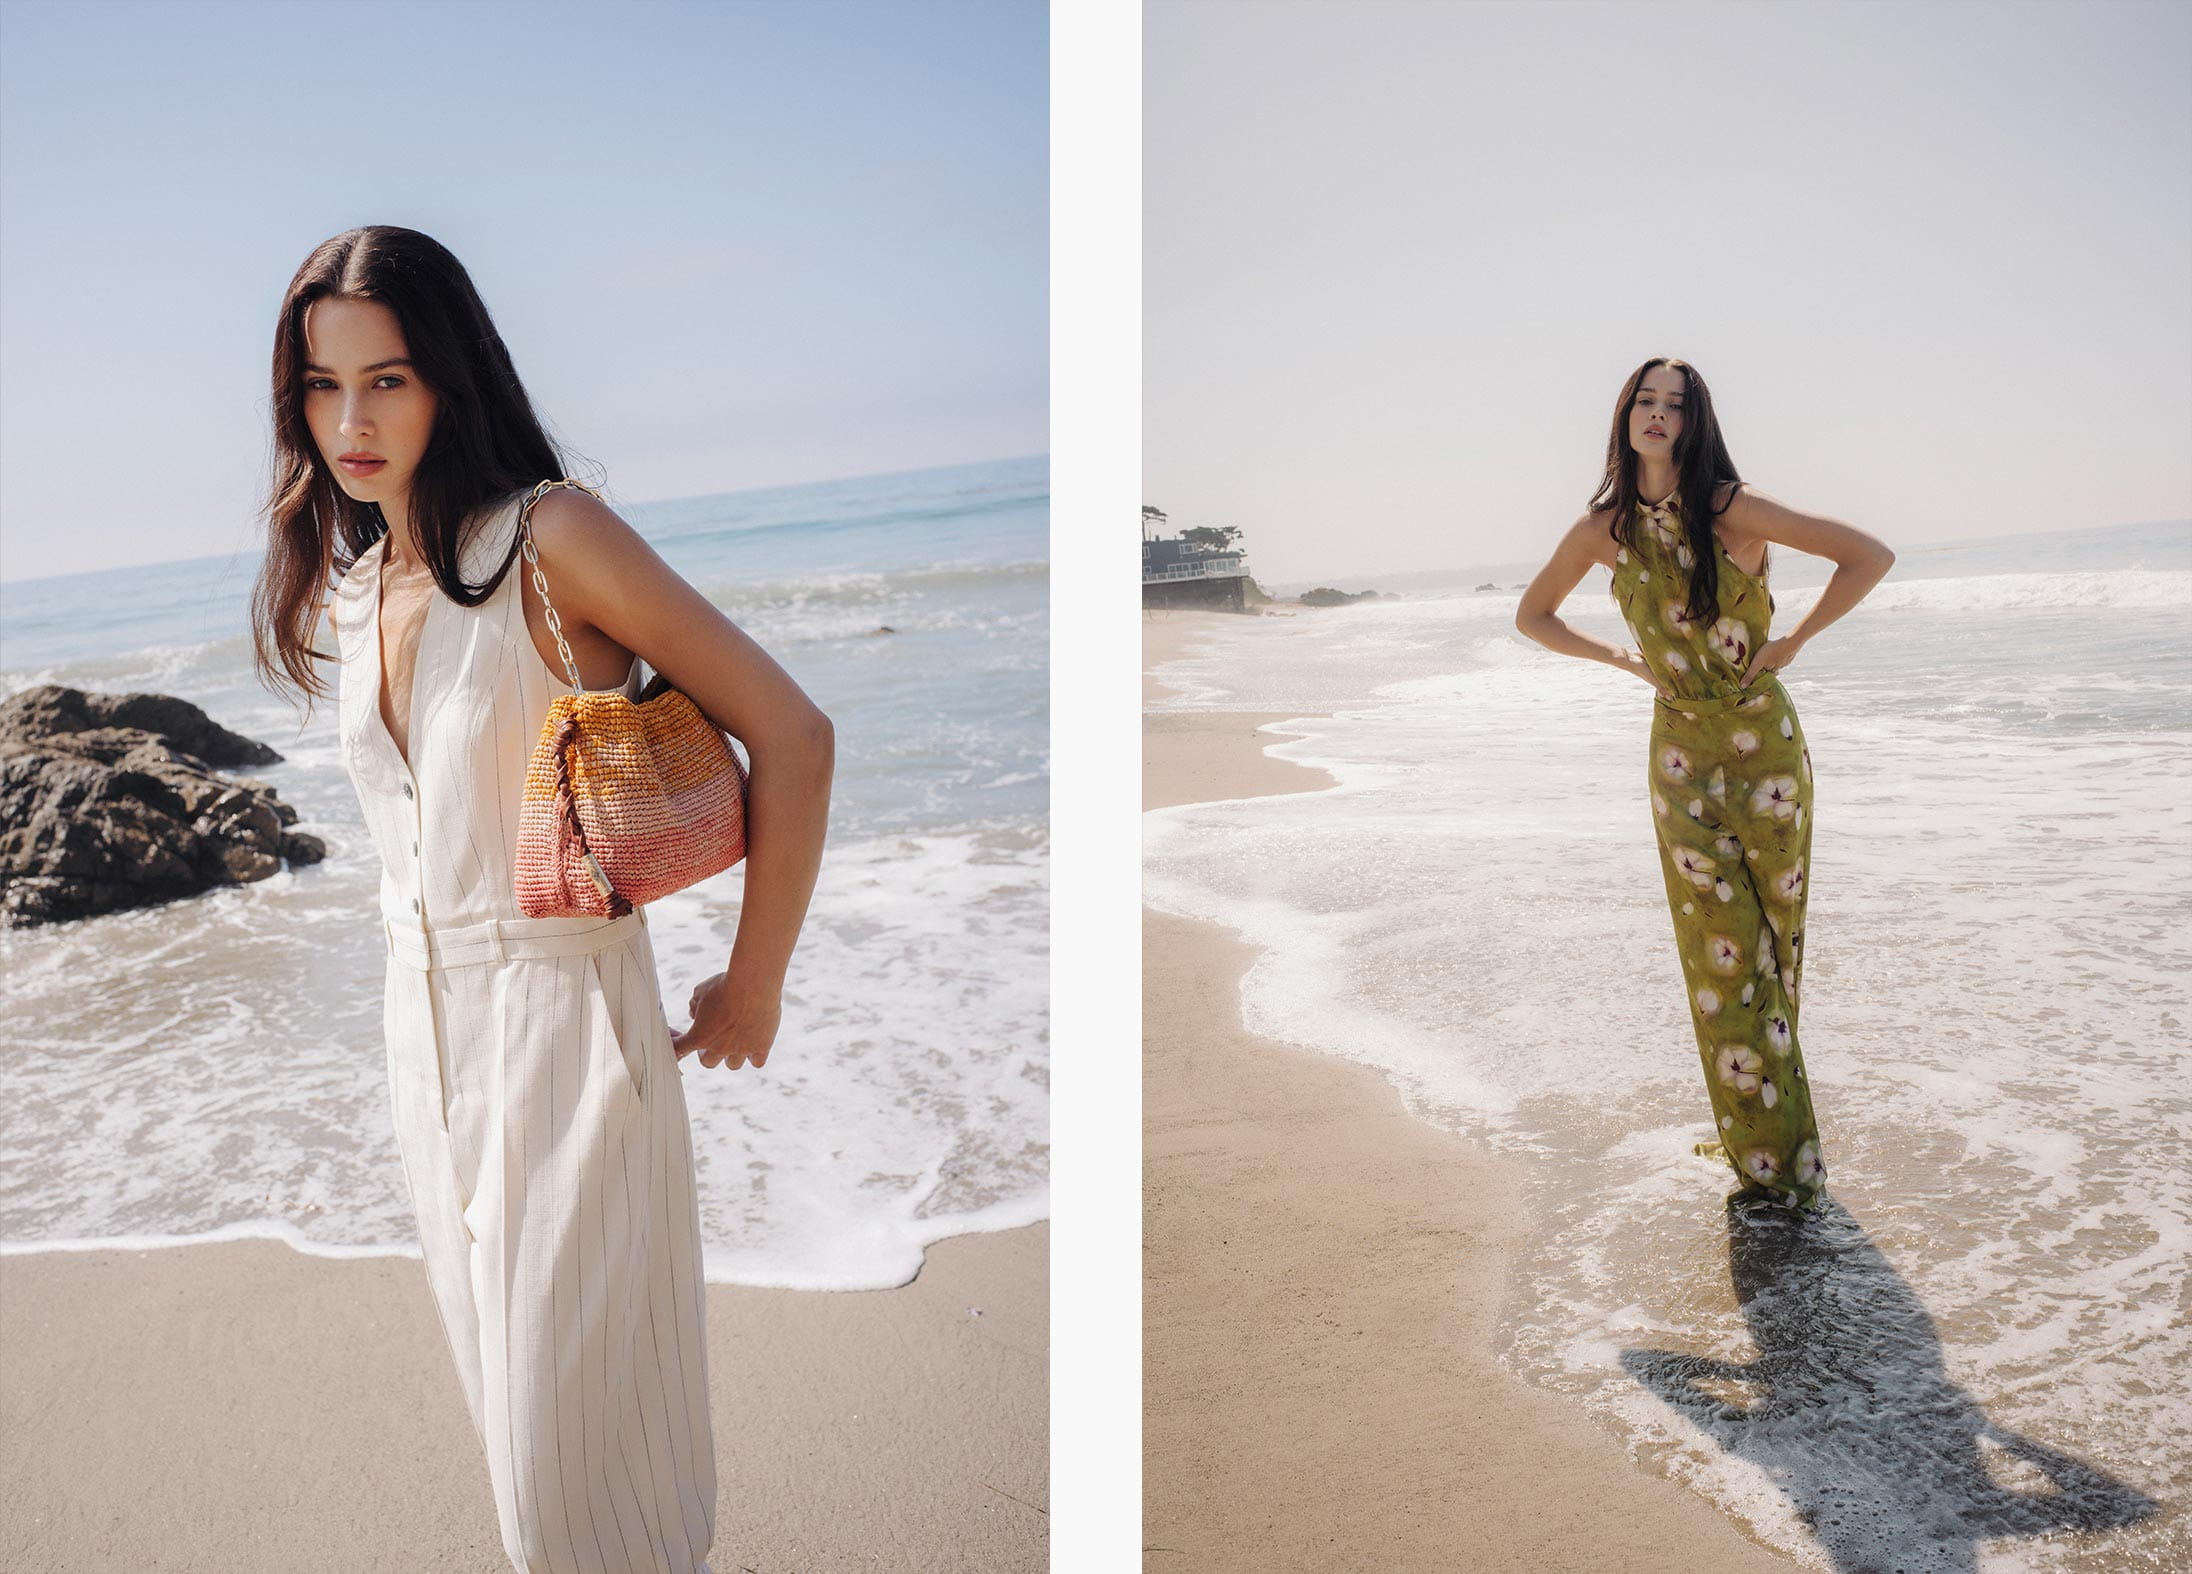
x=362 y=397
x=1655 y=419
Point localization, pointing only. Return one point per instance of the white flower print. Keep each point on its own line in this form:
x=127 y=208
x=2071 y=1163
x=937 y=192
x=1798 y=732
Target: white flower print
x=1708 y=1002
x=1777 y=1035
x=1717 y=784
x=1659 y=805
x=1807 y=764
x=1684 y=556
x=1694 y=866
x=1676 y=661
x=1809 y=1167
x=1688 y=908
x=1743 y=742
x=1739 y=1067
x=1723 y=890
x=1726 y=1121
x=1765 y=949
x=1788 y=982
x=1748 y=991
x=1776 y=795
x=1667 y=537
x=1799 y=817
x=1758 y=1164
x=1674 y=765
x=1727 y=846
x=1677 y=618
x=1726 y=955
x=1732 y=638
x=1621 y=554
x=1756 y=702
x=1697 y=808
x=1789 y=884
x=1788 y=728
x=1767 y=1093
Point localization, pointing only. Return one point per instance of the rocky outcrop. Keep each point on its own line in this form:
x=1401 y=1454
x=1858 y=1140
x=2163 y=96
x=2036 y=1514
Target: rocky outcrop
x=1326 y=596
x=111 y=801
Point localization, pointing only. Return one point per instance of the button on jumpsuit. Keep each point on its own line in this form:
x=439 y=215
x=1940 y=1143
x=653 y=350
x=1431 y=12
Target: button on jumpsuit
x=538 y=1105
x=1730 y=782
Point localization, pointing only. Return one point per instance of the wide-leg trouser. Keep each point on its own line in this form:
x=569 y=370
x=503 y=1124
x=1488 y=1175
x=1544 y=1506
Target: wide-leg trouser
x=1731 y=796
x=541 y=1118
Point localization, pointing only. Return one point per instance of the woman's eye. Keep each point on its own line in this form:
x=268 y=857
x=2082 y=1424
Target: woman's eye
x=313 y=384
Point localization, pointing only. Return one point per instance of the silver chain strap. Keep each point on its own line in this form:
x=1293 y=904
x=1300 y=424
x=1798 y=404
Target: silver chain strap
x=540 y=580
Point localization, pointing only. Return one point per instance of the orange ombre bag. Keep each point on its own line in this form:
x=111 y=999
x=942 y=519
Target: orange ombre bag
x=625 y=800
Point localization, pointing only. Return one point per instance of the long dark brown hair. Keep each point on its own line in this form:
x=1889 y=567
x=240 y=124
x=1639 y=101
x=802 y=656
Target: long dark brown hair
x=1701 y=466
x=485 y=445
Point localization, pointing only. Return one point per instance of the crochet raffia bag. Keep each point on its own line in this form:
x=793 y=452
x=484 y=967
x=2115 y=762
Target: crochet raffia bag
x=625 y=800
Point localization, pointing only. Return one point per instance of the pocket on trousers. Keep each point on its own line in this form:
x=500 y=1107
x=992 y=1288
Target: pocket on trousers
x=609 y=981
x=414 y=1051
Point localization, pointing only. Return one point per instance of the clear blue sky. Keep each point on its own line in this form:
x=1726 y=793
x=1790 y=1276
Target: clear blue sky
x=729 y=244
x=1932 y=259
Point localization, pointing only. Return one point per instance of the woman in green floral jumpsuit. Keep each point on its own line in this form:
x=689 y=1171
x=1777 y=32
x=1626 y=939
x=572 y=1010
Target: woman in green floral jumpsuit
x=1730 y=788
x=1729 y=775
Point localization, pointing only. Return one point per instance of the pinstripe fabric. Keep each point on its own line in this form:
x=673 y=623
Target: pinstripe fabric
x=539 y=1109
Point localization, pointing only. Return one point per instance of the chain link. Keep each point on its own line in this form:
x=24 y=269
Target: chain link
x=540 y=580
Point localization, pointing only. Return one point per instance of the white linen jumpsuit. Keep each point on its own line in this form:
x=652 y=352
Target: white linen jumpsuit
x=539 y=1106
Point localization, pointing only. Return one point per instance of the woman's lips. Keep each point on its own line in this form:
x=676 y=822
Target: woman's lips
x=361 y=466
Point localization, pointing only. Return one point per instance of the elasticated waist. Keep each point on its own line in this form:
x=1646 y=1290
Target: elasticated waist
x=500 y=938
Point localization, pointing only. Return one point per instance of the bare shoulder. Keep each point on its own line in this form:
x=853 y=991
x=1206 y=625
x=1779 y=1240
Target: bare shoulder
x=568 y=523
x=587 y=549
x=1591 y=537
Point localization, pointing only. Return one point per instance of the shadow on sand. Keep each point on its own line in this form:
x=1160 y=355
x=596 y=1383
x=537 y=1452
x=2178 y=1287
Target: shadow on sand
x=1849 y=1411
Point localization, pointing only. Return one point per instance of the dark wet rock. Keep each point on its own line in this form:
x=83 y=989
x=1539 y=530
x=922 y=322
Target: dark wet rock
x=1325 y=596
x=112 y=801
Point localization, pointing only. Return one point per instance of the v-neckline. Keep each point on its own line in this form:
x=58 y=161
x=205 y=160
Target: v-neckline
x=380 y=668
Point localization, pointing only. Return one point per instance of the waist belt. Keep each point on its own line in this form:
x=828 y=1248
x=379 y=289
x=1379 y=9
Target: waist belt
x=500 y=938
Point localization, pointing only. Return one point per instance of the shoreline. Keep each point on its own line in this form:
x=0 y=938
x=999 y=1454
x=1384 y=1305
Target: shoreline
x=1323 y=1279
x=246 y=1406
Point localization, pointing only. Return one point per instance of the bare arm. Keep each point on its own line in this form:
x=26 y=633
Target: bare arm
x=1538 y=615
x=1860 y=562
x=628 y=592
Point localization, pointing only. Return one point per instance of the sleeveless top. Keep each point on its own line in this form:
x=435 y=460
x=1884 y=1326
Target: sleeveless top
x=1697 y=660
x=446 y=825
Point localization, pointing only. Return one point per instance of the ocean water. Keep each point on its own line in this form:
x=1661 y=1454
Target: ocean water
x=1978 y=1358
x=213 y=1067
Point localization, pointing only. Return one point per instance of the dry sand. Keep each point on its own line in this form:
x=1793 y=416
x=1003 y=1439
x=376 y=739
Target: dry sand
x=1323 y=1272
x=241 y=1407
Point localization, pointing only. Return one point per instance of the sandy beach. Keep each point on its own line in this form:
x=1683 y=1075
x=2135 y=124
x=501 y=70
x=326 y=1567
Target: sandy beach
x=244 y=1407
x=1323 y=1273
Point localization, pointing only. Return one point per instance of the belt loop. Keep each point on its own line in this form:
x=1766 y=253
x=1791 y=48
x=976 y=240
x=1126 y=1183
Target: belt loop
x=388 y=935
x=494 y=936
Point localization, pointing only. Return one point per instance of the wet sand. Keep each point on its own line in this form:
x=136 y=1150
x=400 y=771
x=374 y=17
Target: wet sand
x=1323 y=1274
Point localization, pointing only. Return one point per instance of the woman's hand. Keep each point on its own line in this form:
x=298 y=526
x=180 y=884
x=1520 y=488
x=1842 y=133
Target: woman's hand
x=1633 y=661
x=1772 y=656
x=734 y=1023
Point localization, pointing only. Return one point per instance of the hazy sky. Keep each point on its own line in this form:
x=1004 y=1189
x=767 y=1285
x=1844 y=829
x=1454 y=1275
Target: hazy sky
x=728 y=244
x=1931 y=259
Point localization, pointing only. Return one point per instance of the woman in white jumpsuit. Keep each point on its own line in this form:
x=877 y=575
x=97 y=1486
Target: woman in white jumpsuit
x=535 y=1081
x=538 y=1106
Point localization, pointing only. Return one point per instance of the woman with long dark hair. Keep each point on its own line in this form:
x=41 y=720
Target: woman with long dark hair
x=1729 y=774
x=534 y=1078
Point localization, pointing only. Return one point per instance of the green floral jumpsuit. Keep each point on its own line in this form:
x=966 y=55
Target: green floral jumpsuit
x=1731 y=790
